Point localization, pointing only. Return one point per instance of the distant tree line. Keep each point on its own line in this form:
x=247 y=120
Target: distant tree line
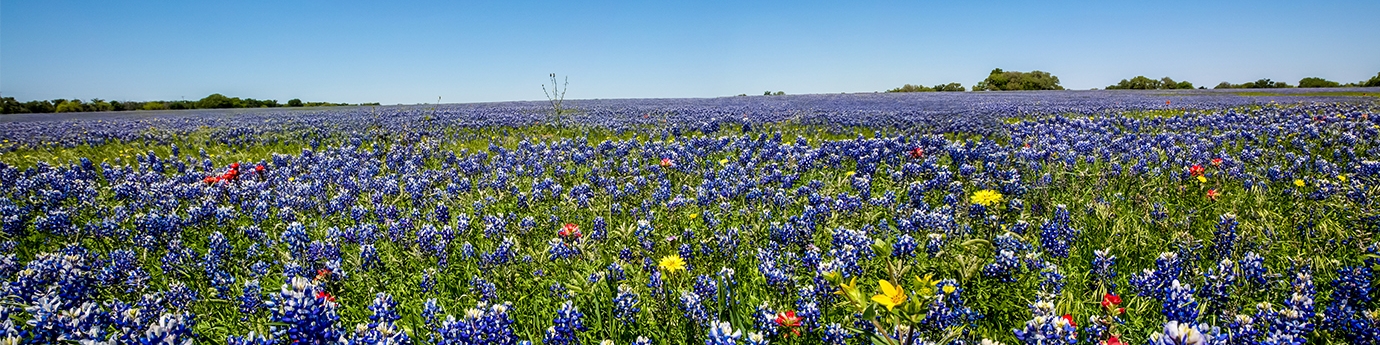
x=1140 y=82
x=8 y=105
x=950 y=87
x=1305 y=82
x=1000 y=80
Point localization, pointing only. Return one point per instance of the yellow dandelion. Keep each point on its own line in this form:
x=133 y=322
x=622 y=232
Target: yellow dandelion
x=948 y=289
x=1298 y=183
x=851 y=173
x=1341 y=178
x=1202 y=179
x=986 y=197
x=723 y=161
x=672 y=263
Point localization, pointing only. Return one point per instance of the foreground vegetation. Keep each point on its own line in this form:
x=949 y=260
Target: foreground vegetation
x=1225 y=224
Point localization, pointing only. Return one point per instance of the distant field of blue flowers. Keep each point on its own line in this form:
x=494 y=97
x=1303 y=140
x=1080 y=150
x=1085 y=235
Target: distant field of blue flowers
x=1072 y=217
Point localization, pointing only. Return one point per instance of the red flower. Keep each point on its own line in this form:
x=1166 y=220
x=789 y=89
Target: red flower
x=1069 y=318
x=259 y=168
x=1216 y=161
x=1113 y=341
x=1166 y=102
x=917 y=153
x=327 y=296
x=1212 y=194
x=210 y=179
x=570 y=230
x=1110 y=300
x=666 y=162
x=234 y=166
x=1196 y=170
x=789 y=320
x=323 y=273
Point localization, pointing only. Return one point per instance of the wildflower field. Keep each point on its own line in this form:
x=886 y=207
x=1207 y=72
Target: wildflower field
x=1075 y=217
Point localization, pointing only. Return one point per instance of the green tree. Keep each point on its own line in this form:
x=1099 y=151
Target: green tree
x=1374 y=81
x=294 y=102
x=1317 y=82
x=911 y=88
x=155 y=105
x=999 y=80
x=950 y=87
x=71 y=106
x=215 y=101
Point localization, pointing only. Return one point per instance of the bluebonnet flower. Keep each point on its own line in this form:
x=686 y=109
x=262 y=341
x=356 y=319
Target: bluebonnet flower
x=1056 y=234
x=1224 y=239
x=947 y=309
x=170 y=329
x=383 y=333
x=483 y=289
x=1218 y=286
x=384 y=309
x=1179 y=304
x=1182 y=333
x=1104 y=268
x=756 y=338
x=722 y=333
x=625 y=305
x=1346 y=314
x=368 y=256
x=904 y=247
x=1051 y=281
x=251 y=339
x=641 y=340
x=764 y=320
x=251 y=301
x=305 y=313
x=835 y=334
x=428 y=280
x=565 y=326
x=1253 y=269
x=180 y=296
x=431 y=314
x=484 y=324
x=936 y=243
x=559 y=249
x=693 y=308
x=1154 y=282
x=707 y=288
x=1046 y=327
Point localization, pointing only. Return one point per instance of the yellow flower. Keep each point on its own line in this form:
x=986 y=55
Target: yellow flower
x=1341 y=178
x=948 y=289
x=693 y=215
x=1298 y=183
x=672 y=263
x=850 y=173
x=723 y=161
x=986 y=197
x=1202 y=179
x=845 y=288
x=890 y=296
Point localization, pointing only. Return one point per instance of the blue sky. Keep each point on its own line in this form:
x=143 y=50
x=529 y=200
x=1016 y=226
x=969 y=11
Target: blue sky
x=374 y=51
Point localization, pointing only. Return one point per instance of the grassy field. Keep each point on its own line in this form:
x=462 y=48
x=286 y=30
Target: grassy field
x=787 y=232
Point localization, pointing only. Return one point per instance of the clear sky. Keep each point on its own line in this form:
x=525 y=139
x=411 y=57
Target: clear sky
x=461 y=51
